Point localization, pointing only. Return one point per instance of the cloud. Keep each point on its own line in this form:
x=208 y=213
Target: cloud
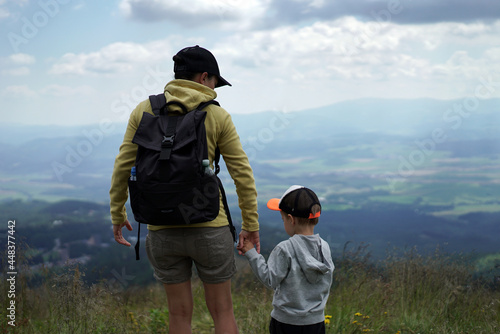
x=67 y=91
x=346 y=58
x=4 y=13
x=228 y=14
x=18 y=91
x=327 y=48
x=119 y=57
x=249 y=15
x=399 y=11
x=21 y=59
x=10 y=8
x=16 y=64
x=17 y=71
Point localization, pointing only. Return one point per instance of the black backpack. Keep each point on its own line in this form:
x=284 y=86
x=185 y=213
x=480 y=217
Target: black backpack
x=169 y=185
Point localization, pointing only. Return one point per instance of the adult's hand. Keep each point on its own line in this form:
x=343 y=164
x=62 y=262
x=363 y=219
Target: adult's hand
x=253 y=237
x=117 y=231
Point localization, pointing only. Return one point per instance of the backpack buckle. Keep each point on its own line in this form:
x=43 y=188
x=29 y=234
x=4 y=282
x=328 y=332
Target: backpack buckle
x=168 y=141
x=166 y=147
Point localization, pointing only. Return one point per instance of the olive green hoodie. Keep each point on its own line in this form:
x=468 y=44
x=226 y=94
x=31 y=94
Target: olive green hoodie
x=220 y=129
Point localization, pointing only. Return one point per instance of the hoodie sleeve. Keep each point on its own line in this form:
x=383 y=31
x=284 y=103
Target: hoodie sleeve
x=272 y=273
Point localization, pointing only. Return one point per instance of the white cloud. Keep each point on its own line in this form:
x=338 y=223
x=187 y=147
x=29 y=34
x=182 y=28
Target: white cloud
x=9 y=8
x=17 y=71
x=115 y=58
x=21 y=59
x=493 y=54
x=304 y=66
x=348 y=49
x=22 y=91
x=67 y=91
x=16 y=64
x=54 y=90
x=228 y=14
x=4 y=13
x=330 y=61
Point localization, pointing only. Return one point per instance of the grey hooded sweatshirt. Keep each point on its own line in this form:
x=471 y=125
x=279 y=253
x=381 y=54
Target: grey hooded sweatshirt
x=300 y=271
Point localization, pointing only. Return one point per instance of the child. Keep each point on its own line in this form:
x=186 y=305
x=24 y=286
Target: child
x=298 y=269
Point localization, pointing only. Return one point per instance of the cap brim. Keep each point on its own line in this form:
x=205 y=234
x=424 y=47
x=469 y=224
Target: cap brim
x=274 y=204
x=222 y=82
x=311 y=216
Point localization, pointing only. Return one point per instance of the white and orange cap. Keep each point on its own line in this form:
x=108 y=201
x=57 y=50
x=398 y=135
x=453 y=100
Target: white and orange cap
x=296 y=201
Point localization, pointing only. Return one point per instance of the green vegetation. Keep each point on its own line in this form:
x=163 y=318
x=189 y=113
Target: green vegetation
x=405 y=293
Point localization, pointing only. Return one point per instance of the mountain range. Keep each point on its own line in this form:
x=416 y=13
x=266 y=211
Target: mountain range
x=434 y=164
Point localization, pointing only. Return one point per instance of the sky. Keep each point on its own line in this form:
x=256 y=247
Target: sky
x=72 y=62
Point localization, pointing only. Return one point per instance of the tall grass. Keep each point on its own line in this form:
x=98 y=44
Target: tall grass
x=405 y=293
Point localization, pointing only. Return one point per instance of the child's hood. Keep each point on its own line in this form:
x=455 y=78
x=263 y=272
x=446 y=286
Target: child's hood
x=309 y=254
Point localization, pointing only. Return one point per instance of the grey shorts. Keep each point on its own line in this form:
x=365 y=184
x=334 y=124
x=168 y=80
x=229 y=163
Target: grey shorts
x=172 y=252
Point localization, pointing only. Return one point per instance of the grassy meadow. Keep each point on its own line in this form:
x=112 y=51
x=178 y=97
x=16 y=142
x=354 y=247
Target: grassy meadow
x=405 y=293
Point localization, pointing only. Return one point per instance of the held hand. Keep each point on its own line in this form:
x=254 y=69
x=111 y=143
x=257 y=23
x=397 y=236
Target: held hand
x=117 y=231
x=247 y=245
x=252 y=237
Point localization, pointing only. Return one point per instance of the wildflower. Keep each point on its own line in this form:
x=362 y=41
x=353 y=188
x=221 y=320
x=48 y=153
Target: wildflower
x=358 y=314
x=366 y=317
x=132 y=319
x=327 y=321
x=328 y=316
x=355 y=321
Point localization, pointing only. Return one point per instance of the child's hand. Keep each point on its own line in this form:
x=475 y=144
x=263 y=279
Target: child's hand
x=247 y=245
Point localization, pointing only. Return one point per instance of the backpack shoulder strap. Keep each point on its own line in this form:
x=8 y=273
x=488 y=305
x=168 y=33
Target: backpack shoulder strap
x=157 y=102
x=203 y=105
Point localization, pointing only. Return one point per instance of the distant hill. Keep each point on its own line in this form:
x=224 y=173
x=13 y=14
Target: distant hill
x=407 y=117
x=430 y=168
x=90 y=149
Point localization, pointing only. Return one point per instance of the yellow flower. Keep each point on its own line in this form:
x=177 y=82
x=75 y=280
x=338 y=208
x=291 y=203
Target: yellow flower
x=358 y=314
x=327 y=321
x=355 y=321
x=366 y=317
x=328 y=316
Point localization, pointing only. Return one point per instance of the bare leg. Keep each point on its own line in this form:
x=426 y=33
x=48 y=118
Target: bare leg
x=220 y=305
x=180 y=307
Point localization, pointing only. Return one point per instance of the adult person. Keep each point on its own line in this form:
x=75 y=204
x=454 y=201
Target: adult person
x=173 y=249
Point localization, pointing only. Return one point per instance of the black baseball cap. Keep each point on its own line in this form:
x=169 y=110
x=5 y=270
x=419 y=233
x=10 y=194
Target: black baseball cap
x=296 y=201
x=197 y=59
